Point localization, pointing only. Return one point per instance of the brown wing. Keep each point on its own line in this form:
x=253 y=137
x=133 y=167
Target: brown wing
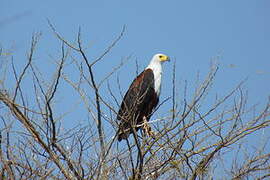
x=139 y=101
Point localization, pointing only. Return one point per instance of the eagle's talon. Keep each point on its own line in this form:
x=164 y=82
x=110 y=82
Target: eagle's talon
x=147 y=128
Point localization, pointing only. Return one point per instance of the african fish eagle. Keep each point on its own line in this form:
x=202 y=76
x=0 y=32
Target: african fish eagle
x=141 y=98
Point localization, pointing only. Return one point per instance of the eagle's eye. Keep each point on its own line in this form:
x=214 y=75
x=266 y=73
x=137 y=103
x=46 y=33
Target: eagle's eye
x=160 y=56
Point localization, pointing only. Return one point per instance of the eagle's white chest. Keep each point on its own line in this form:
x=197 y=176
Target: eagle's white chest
x=157 y=70
x=157 y=77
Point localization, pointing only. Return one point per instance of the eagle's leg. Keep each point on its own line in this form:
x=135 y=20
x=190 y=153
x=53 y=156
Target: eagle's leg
x=147 y=128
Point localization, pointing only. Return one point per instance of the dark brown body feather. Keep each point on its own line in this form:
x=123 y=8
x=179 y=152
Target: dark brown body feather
x=139 y=102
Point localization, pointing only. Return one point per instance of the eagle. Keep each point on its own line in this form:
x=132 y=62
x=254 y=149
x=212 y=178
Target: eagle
x=141 y=99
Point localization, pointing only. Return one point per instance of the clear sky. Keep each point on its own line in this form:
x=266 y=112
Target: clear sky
x=190 y=32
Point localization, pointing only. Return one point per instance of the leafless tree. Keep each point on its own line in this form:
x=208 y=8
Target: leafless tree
x=198 y=138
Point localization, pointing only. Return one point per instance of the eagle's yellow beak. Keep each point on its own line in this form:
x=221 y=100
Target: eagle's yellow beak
x=164 y=58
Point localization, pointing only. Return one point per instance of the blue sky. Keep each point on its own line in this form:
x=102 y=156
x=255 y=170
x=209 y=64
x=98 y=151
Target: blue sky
x=190 y=32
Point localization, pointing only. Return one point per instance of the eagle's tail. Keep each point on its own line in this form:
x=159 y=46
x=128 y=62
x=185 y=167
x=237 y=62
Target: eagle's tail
x=123 y=135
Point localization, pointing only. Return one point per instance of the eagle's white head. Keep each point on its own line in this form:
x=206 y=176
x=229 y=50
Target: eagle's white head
x=159 y=58
x=155 y=65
